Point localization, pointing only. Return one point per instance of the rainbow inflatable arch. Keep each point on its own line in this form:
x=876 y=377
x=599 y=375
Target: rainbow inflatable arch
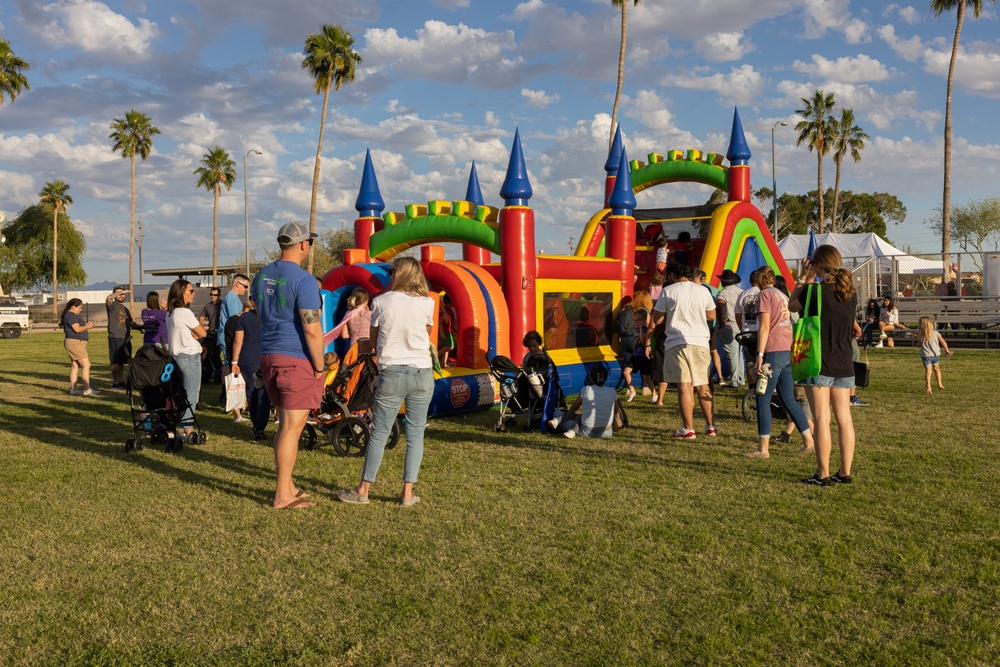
x=502 y=288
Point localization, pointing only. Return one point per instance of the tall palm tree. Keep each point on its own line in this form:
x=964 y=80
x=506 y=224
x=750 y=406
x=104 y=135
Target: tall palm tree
x=814 y=131
x=847 y=138
x=623 y=5
x=54 y=193
x=331 y=62
x=12 y=68
x=939 y=7
x=217 y=169
x=133 y=135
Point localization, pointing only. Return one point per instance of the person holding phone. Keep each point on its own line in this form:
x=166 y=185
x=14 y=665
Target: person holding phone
x=77 y=333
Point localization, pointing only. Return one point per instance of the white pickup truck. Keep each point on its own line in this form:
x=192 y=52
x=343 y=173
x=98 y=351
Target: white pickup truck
x=13 y=317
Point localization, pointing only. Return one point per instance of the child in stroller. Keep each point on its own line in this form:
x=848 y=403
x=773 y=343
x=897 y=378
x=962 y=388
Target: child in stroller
x=345 y=412
x=530 y=390
x=155 y=378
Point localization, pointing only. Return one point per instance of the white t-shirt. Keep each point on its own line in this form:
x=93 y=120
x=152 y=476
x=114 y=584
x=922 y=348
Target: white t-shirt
x=747 y=307
x=686 y=307
x=402 y=322
x=597 y=411
x=180 y=323
x=731 y=295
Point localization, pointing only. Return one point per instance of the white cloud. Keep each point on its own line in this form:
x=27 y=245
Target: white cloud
x=977 y=67
x=906 y=14
x=95 y=28
x=907 y=49
x=724 y=46
x=538 y=98
x=844 y=70
x=16 y=187
x=822 y=16
x=454 y=54
x=857 y=32
x=742 y=86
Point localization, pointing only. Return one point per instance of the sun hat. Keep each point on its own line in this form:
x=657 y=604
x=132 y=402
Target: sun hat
x=729 y=277
x=294 y=232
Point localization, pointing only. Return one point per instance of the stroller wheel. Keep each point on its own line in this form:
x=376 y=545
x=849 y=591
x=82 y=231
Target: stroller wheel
x=393 y=435
x=130 y=445
x=307 y=440
x=202 y=437
x=750 y=406
x=350 y=436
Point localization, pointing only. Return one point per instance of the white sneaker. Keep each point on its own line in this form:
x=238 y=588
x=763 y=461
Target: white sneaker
x=76 y=392
x=883 y=336
x=238 y=419
x=569 y=434
x=631 y=394
x=880 y=345
x=655 y=397
x=90 y=392
x=553 y=423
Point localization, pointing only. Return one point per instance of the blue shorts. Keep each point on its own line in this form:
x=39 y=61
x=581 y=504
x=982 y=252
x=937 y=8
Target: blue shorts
x=827 y=381
x=931 y=361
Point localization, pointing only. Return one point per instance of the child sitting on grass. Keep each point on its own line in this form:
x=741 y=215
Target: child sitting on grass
x=600 y=406
x=931 y=343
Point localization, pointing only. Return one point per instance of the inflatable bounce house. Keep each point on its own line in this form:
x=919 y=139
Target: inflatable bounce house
x=502 y=288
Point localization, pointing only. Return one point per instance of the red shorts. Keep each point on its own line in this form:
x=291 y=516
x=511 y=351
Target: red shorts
x=291 y=382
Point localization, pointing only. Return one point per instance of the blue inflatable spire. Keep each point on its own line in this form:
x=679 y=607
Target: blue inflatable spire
x=473 y=193
x=739 y=152
x=369 y=203
x=516 y=189
x=615 y=154
x=622 y=200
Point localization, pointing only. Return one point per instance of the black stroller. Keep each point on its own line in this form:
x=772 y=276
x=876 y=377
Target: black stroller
x=748 y=341
x=155 y=379
x=526 y=391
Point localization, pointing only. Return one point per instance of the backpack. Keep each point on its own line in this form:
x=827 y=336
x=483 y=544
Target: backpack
x=625 y=328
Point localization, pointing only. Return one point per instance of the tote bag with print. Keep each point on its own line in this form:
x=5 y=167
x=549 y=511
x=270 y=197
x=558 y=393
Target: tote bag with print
x=807 y=348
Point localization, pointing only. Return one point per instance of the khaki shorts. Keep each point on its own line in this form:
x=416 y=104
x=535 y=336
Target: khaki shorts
x=76 y=349
x=687 y=363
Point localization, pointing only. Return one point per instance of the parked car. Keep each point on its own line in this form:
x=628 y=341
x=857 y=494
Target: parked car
x=13 y=317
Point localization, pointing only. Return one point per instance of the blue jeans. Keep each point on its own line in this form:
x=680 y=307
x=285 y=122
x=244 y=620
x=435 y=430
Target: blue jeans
x=781 y=379
x=730 y=349
x=396 y=384
x=190 y=368
x=869 y=330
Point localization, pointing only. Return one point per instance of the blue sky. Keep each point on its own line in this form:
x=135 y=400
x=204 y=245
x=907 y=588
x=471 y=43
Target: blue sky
x=446 y=82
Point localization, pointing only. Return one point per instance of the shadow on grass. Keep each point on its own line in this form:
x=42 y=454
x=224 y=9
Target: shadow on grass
x=54 y=412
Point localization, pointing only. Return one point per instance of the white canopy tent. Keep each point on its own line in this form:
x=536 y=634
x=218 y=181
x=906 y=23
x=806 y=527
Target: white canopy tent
x=855 y=249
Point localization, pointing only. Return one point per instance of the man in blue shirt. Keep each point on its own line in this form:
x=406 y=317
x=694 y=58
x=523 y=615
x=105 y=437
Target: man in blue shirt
x=231 y=306
x=291 y=361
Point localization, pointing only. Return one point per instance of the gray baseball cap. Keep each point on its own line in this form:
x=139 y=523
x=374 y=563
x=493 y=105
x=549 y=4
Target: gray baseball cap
x=294 y=232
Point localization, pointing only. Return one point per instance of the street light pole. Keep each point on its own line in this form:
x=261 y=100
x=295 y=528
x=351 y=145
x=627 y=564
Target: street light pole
x=246 y=208
x=774 y=180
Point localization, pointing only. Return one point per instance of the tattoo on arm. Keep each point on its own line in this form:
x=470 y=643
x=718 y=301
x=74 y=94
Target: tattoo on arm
x=309 y=316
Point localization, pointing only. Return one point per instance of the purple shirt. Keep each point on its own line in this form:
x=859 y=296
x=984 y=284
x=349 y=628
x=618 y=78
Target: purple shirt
x=155 y=323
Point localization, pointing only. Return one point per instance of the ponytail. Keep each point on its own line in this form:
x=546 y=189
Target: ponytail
x=843 y=283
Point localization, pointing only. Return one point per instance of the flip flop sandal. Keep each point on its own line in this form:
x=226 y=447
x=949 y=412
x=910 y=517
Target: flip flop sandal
x=296 y=504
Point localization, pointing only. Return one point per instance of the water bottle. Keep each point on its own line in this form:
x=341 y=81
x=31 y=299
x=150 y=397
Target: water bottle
x=765 y=374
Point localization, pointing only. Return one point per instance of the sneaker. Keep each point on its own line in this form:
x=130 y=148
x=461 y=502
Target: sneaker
x=816 y=480
x=238 y=419
x=90 y=392
x=882 y=336
x=631 y=394
x=76 y=392
x=722 y=383
x=655 y=397
x=782 y=437
x=258 y=436
x=857 y=401
x=553 y=423
x=684 y=434
x=841 y=479
x=569 y=434
x=118 y=385
x=711 y=431
x=879 y=345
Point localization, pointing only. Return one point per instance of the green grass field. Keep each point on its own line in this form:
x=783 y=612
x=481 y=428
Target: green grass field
x=526 y=550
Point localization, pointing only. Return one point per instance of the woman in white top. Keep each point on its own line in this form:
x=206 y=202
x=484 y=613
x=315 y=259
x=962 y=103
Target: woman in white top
x=183 y=333
x=889 y=321
x=401 y=323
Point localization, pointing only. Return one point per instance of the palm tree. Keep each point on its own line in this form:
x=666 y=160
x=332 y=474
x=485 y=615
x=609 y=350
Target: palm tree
x=331 y=62
x=12 y=79
x=218 y=169
x=939 y=7
x=54 y=193
x=814 y=131
x=846 y=137
x=133 y=135
x=623 y=4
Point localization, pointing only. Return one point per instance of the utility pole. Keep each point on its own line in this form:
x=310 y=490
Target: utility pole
x=571 y=245
x=140 y=250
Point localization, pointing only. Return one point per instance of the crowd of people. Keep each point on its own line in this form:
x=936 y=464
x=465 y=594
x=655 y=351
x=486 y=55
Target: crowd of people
x=268 y=332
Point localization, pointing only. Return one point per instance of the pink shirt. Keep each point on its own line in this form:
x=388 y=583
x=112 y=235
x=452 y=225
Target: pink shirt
x=773 y=302
x=359 y=325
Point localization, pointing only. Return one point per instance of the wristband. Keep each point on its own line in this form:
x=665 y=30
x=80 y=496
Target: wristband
x=760 y=354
